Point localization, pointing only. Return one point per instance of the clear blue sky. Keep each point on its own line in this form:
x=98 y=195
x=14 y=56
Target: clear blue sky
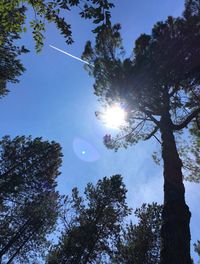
x=55 y=100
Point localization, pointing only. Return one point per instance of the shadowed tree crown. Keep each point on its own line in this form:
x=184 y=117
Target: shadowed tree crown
x=29 y=202
x=96 y=221
x=141 y=242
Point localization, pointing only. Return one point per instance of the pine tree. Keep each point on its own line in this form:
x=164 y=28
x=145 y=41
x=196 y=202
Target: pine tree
x=29 y=202
x=159 y=88
x=140 y=242
x=95 y=223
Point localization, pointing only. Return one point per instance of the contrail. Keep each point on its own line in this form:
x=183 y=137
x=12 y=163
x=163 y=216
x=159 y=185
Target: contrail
x=72 y=56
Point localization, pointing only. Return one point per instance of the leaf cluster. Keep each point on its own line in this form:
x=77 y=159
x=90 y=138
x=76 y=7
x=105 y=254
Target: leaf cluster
x=15 y=13
x=15 y=19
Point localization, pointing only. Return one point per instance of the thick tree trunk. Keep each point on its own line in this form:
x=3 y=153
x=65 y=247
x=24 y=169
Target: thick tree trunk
x=175 y=231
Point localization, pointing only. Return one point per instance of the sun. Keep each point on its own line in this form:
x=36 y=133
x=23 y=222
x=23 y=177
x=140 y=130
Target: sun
x=114 y=116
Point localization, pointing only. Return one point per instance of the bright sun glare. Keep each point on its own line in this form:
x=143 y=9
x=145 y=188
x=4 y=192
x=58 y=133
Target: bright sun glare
x=114 y=116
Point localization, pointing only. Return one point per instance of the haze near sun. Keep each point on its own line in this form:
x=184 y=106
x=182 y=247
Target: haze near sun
x=114 y=116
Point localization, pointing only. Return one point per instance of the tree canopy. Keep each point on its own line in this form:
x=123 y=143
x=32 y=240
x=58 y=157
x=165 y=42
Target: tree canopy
x=139 y=82
x=18 y=16
x=15 y=13
x=29 y=203
x=141 y=242
x=96 y=221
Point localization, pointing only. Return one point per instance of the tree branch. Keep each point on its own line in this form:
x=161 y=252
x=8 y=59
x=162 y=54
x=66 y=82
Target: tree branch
x=151 y=117
x=176 y=88
x=131 y=132
x=187 y=120
x=152 y=133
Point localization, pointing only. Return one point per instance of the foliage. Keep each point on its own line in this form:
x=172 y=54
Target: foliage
x=27 y=167
x=140 y=83
x=192 y=163
x=27 y=226
x=29 y=202
x=14 y=15
x=140 y=243
x=10 y=66
x=159 y=88
x=96 y=221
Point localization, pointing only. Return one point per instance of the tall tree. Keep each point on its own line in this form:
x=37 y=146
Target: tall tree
x=28 y=226
x=140 y=243
x=13 y=20
x=29 y=203
x=159 y=89
x=96 y=221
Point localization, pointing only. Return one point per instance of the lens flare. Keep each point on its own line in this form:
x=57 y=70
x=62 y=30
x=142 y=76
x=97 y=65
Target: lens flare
x=84 y=150
x=114 y=116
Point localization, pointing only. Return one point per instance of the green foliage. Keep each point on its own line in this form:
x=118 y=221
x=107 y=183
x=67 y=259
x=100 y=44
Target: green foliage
x=158 y=86
x=29 y=203
x=192 y=8
x=28 y=166
x=10 y=66
x=140 y=243
x=14 y=15
x=91 y=236
x=96 y=220
x=156 y=79
x=190 y=152
x=26 y=227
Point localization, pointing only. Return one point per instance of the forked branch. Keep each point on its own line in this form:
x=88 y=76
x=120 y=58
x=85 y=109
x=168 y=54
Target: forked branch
x=187 y=120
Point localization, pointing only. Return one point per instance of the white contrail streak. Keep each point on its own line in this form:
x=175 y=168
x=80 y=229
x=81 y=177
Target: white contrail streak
x=72 y=56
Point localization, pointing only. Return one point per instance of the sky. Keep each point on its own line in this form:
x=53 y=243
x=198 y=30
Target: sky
x=55 y=100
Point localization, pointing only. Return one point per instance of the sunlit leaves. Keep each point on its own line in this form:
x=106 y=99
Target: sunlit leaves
x=14 y=15
x=18 y=16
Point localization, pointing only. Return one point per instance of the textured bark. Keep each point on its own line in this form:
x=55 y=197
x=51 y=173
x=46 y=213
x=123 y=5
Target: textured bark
x=175 y=232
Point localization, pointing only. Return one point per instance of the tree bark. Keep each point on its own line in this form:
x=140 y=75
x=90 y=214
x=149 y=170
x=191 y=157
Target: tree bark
x=175 y=232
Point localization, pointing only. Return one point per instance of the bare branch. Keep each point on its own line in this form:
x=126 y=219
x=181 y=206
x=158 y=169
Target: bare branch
x=187 y=120
x=153 y=119
x=152 y=133
x=130 y=133
x=157 y=139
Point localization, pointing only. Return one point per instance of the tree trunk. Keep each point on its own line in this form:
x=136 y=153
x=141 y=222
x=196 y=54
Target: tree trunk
x=19 y=248
x=14 y=239
x=175 y=232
